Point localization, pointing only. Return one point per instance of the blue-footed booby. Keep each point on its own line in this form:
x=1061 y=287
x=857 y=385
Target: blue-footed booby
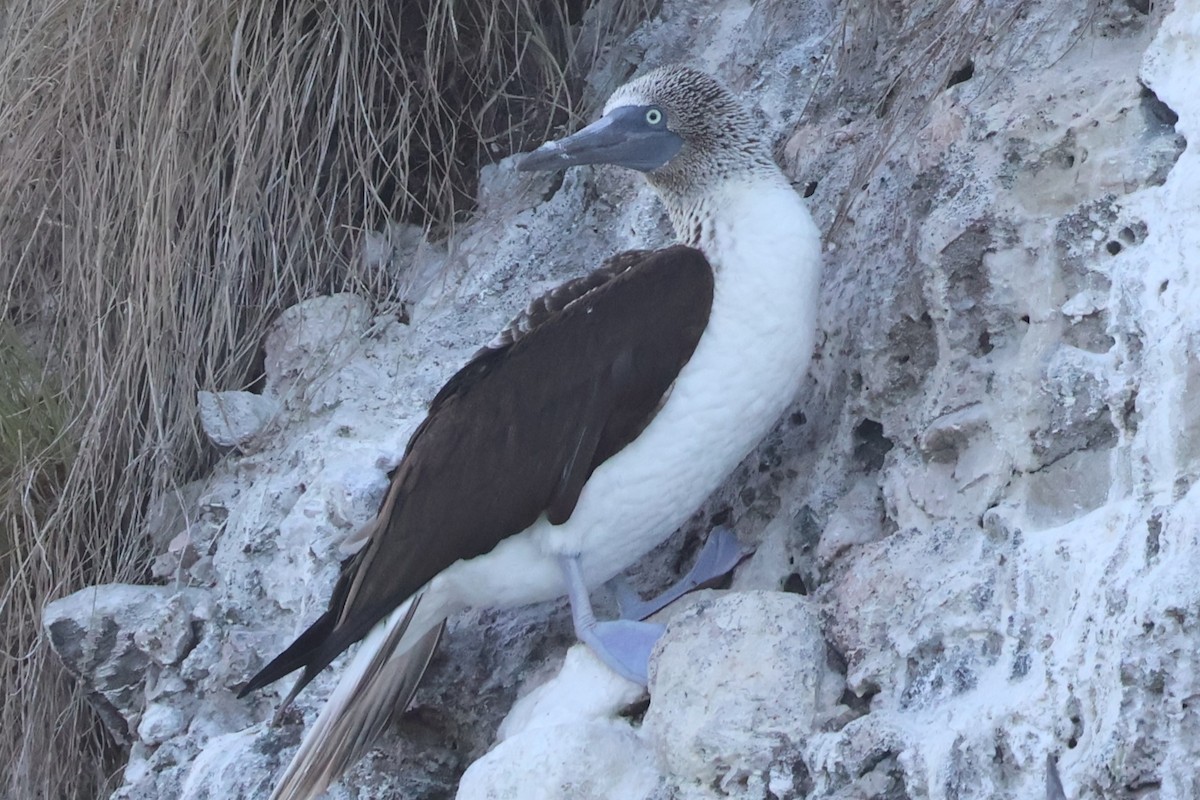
x=589 y=429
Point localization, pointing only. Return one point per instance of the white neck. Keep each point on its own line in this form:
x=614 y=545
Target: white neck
x=765 y=251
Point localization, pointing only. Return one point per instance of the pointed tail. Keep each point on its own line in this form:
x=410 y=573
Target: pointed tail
x=378 y=684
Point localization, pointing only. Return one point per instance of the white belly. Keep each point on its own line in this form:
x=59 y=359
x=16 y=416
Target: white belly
x=745 y=371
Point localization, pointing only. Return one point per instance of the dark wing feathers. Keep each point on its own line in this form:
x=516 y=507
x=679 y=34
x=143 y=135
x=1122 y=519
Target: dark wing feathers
x=541 y=308
x=517 y=432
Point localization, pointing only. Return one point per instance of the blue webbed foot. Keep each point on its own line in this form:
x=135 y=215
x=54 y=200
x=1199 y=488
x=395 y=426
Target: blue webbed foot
x=624 y=645
x=720 y=554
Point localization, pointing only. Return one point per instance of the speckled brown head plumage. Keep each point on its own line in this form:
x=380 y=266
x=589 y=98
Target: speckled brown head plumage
x=720 y=137
x=686 y=132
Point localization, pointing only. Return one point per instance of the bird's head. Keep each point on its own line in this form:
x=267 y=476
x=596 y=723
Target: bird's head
x=676 y=124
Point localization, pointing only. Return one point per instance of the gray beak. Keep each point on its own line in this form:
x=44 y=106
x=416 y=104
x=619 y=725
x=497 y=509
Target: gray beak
x=621 y=137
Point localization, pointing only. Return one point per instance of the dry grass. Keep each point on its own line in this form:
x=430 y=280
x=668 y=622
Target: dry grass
x=174 y=174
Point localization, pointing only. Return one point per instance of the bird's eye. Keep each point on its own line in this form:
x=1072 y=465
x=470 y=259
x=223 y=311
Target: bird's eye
x=654 y=116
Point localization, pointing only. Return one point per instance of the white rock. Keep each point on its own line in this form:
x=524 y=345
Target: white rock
x=109 y=636
x=311 y=340
x=734 y=691
x=234 y=418
x=583 y=690
x=597 y=760
x=229 y=766
x=1084 y=303
x=161 y=722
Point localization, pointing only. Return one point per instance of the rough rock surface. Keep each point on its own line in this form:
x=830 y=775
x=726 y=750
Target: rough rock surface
x=984 y=498
x=125 y=643
x=736 y=690
x=234 y=418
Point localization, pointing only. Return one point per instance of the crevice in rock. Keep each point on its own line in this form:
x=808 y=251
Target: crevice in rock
x=1153 y=535
x=873 y=761
x=1130 y=415
x=1102 y=441
x=1157 y=112
x=802 y=782
x=1164 y=143
x=883 y=763
x=1133 y=233
x=556 y=182
x=794 y=583
x=870 y=445
x=860 y=704
x=636 y=710
x=962 y=74
x=1076 y=720
x=984 y=344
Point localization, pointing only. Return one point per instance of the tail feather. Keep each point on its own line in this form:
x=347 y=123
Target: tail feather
x=378 y=684
x=297 y=655
x=309 y=650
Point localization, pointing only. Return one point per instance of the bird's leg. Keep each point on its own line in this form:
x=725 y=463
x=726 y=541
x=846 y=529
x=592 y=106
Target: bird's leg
x=720 y=554
x=624 y=645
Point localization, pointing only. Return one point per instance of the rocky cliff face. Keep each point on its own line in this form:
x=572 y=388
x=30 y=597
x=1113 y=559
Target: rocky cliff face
x=976 y=529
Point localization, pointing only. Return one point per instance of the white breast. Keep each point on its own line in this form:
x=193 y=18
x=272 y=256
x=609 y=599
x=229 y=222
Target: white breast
x=745 y=371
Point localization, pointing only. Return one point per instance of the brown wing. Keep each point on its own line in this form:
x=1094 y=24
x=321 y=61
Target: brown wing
x=543 y=307
x=517 y=432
